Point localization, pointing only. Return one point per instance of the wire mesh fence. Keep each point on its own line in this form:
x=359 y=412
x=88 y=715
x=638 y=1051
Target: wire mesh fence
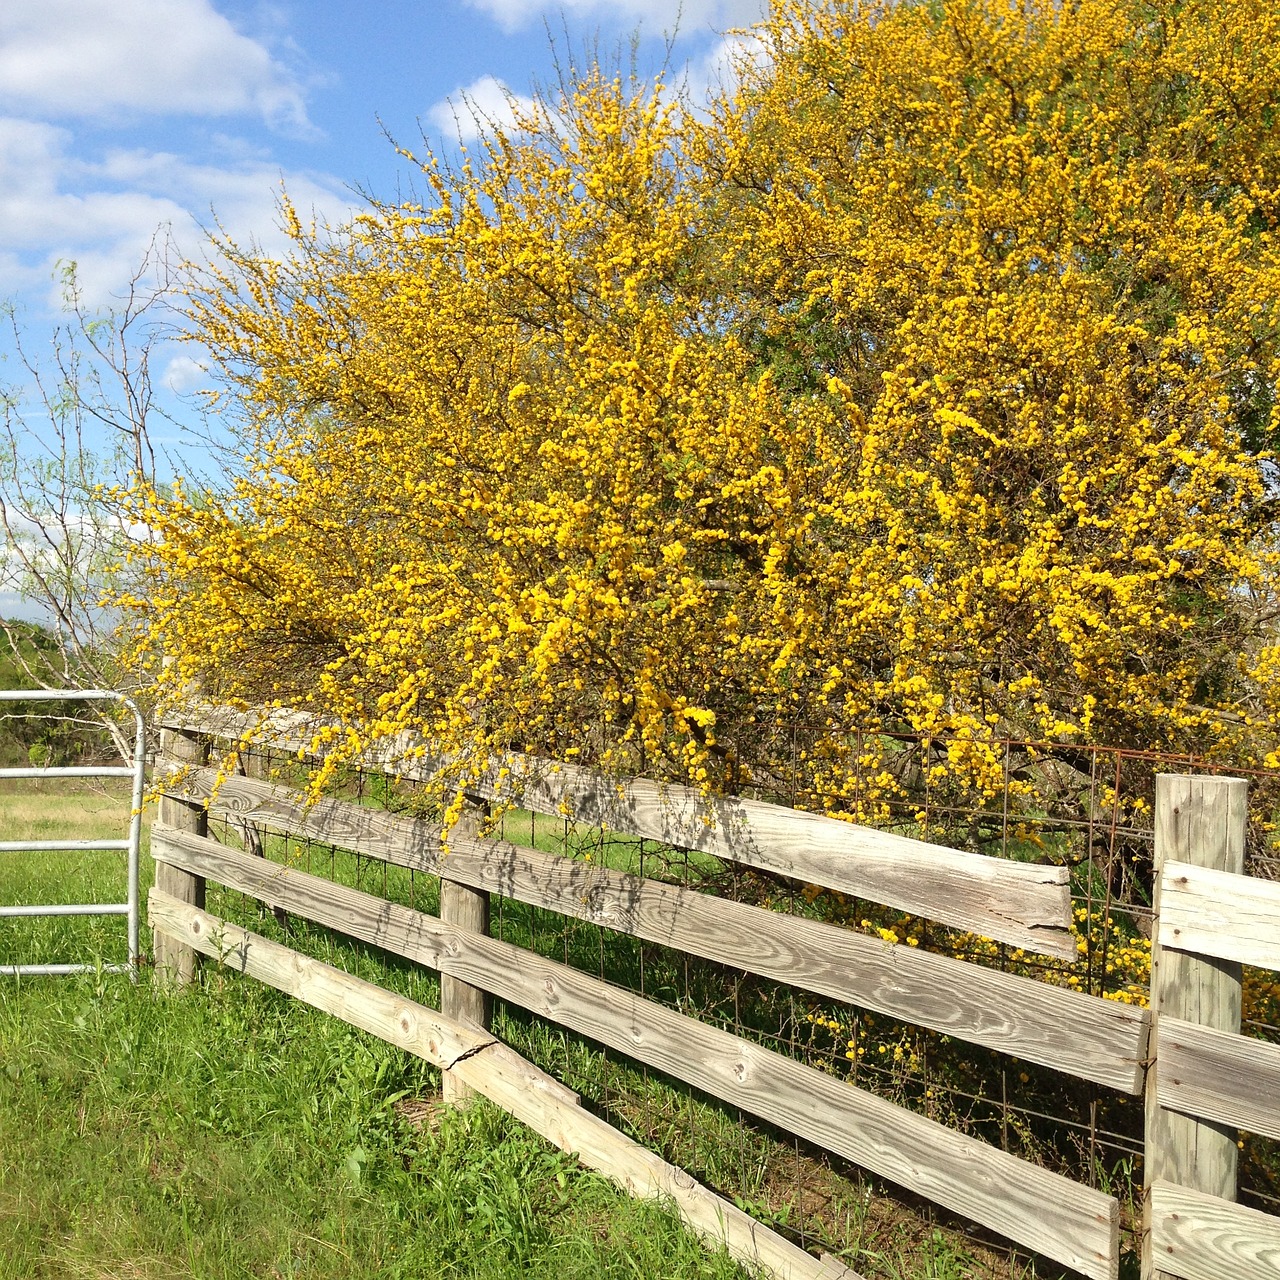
x=1087 y=808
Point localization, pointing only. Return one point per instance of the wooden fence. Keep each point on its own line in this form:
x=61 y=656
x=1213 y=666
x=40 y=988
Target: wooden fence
x=1202 y=1080
x=1206 y=1081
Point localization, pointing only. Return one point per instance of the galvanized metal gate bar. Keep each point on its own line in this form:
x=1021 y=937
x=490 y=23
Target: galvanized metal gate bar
x=136 y=771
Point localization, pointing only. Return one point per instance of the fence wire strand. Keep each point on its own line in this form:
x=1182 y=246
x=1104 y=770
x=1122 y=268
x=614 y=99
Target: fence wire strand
x=1090 y=810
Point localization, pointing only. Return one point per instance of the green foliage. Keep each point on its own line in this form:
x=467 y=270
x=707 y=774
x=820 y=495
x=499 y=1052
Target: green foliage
x=242 y=1134
x=30 y=647
x=35 y=732
x=27 y=736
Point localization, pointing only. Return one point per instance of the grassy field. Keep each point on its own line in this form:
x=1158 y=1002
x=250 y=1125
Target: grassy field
x=233 y=1133
x=46 y=811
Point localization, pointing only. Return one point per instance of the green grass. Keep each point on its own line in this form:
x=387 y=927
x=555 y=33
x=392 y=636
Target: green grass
x=53 y=810
x=231 y=1132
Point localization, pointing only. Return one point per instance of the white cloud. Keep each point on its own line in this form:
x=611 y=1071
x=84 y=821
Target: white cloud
x=484 y=105
x=724 y=65
x=489 y=101
x=488 y=104
x=102 y=57
x=181 y=375
x=103 y=215
x=61 y=542
x=656 y=15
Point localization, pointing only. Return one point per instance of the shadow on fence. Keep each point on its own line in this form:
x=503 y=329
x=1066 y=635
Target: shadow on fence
x=776 y=1000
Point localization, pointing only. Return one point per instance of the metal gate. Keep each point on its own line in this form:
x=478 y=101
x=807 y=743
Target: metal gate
x=129 y=907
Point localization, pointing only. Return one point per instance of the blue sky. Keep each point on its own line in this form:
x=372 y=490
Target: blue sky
x=118 y=117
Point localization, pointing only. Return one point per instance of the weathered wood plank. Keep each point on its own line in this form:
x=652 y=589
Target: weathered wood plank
x=414 y=1027
x=1023 y=904
x=1229 y=1078
x=1200 y=1237
x=1220 y=913
x=495 y=1070
x=1041 y=1210
x=643 y=1173
x=464 y=907
x=179 y=751
x=1094 y=1039
x=1201 y=821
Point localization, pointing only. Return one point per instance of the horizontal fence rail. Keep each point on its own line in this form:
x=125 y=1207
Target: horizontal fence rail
x=1022 y=904
x=130 y=844
x=68 y=909
x=1222 y=914
x=1041 y=1210
x=1086 y=1036
x=60 y=846
x=1229 y=1078
x=69 y=771
x=491 y=1068
x=1201 y=1237
x=1200 y=1079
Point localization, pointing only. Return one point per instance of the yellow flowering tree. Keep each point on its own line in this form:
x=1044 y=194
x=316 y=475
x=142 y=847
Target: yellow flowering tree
x=1028 y=257
x=502 y=461
x=924 y=382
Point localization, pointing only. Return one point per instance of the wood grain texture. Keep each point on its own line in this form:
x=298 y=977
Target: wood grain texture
x=1200 y=1237
x=414 y=1027
x=1200 y=821
x=1038 y=1209
x=1022 y=904
x=1094 y=1039
x=1220 y=913
x=495 y=1070
x=179 y=752
x=464 y=907
x=1232 y=1079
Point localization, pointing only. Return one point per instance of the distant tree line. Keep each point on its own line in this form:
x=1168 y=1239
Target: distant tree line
x=39 y=732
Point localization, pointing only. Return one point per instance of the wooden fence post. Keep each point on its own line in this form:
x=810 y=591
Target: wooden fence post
x=1202 y=821
x=464 y=908
x=180 y=750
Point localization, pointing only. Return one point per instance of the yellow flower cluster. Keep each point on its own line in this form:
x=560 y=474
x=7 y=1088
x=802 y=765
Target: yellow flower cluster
x=920 y=383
